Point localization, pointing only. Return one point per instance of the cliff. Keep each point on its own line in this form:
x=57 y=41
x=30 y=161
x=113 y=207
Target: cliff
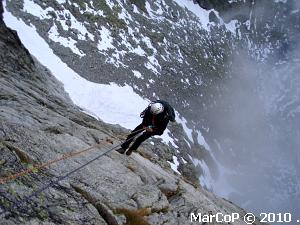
x=38 y=123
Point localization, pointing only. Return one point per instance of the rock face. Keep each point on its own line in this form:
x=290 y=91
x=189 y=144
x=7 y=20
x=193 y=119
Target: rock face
x=108 y=48
x=1 y=12
x=38 y=122
x=228 y=74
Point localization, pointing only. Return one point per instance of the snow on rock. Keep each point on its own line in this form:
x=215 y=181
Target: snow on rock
x=201 y=13
x=106 y=101
x=181 y=120
x=34 y=9
x=106 y=39
x=89 y=10
x=174 y=165
x=166 y=136
x=284 y=1
x=188 y=143
x=202 y=141
x=156 y=15
x=152 y=63
x=124 y=14
x=139 y=51
x=151 y=81
x=67 y=42
x=61 y=1
x=184 y=161
x=150 y=66
x=110 y=3
x=205 y=178
x=106 y=43
x=231 y=26
x=75 y=24
x=137 y=74
x=203 y=16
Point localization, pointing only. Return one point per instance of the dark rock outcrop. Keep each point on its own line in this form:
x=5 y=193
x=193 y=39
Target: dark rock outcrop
x=14 y=55
x=1 y=13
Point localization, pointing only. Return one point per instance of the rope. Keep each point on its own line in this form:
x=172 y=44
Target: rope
x=60 y=178
x=46 y=164
x=35 y=167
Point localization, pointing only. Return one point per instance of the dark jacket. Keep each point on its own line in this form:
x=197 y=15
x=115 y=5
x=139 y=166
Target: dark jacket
x=160 y=121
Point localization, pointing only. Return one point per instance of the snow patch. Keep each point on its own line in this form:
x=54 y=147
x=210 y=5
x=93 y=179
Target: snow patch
x=232 y=25
x=138 y=51
x=205 y=178
x=137 y=74
x=106 y=40
x=201 y=13
x=157 y=13
x=149 y=66
x=89 y=10
x=168 y=139
x=202 y=141
x=110 y=3
x=124 y=15
x=181 y=120
x=66 y=42
x=174 y=165
x=35 y=10
x=188 y=143
x=78 y=26
x=135 y=9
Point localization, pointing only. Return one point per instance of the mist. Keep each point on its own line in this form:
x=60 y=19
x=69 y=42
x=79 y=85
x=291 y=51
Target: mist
x=260 y=143
x=257 y=129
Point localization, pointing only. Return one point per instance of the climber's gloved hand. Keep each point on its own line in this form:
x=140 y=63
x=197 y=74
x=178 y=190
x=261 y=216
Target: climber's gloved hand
x=149 y=129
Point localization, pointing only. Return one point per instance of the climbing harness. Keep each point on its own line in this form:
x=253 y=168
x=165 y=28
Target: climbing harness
x=60 y=178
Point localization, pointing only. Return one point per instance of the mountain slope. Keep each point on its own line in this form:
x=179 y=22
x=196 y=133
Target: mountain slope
x=39 y=122
x=101 y=45
x=228 y=67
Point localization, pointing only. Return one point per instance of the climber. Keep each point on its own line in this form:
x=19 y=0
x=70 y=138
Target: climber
x=155 y=120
